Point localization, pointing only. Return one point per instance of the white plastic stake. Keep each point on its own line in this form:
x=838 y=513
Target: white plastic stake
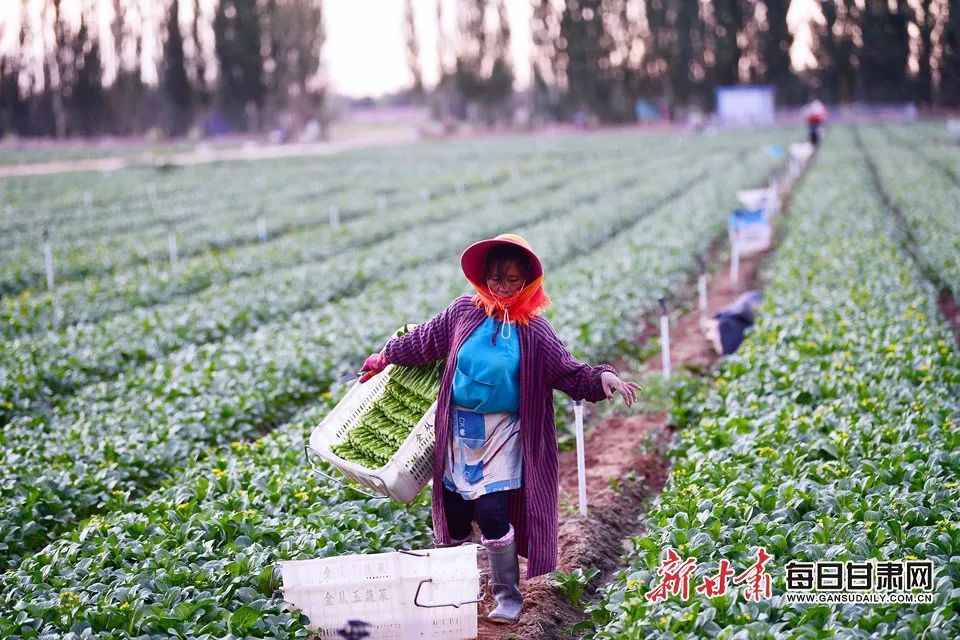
x=262 y=228
x=425 y=194
x=702 y=286
x=772 y=204
x=172 y=245
x=334 y=216
x=581 y=461
x=9 y=210
x=87 y=199
x=702 y=290
x=381 y=204
x=665 y=337
x=152 y=191
x=735 y=263
x=514 y=174
x=702 y=294
x=48 y=258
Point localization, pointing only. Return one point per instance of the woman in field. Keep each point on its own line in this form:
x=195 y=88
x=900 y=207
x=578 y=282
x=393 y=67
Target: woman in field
x=496 y=456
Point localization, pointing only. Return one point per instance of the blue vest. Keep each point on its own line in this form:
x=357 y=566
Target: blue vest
x=487 y=377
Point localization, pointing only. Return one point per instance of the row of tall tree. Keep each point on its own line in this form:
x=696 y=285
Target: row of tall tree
x=242 y=68
x=248 y=64
x=605 y=54
x=866 y=50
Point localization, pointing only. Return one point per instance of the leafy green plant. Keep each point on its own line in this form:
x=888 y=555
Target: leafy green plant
x=921 y=181
x=572 y=583
x=614 y=483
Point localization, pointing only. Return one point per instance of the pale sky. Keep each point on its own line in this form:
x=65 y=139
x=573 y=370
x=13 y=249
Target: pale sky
x=364 y=52
x=367 y=55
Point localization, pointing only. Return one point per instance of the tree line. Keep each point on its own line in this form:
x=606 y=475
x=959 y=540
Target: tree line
x=606 y=54
x=246 y=65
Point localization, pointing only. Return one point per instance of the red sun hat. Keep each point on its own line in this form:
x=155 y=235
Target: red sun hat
x=472 y=259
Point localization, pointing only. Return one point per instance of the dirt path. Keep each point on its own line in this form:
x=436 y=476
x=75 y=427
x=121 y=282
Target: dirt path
x=245 y=152
x=951 y=313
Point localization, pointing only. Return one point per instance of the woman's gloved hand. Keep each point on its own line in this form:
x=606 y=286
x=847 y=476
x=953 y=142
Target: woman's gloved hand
x=373 y=365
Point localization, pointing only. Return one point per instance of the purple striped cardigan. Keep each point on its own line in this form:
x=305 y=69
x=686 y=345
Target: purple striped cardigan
x=545 y=364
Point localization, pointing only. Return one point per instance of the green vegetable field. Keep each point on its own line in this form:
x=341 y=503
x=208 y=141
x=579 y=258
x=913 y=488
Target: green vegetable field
x=832 y=435
x=155 y=404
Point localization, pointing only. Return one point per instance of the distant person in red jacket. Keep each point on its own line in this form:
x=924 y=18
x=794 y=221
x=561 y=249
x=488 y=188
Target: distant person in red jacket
x=816 y=114
x=495 y=460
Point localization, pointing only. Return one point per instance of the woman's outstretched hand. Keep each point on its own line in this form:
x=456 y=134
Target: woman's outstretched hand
x=373 y=365
x=611 y=382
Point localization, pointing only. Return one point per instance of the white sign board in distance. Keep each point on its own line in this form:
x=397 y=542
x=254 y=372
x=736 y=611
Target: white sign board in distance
x=746 y=105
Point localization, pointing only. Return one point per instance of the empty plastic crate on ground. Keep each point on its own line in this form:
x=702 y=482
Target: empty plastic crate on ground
x=750 y=231
x=388 y=596
x=767 y=199
x=801 y=151
x=410 y=468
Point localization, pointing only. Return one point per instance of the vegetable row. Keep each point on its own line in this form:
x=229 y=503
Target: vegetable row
x=927 y=198
x=217 y=221
x=93 y=298
x=831 y=435
x=46 y=366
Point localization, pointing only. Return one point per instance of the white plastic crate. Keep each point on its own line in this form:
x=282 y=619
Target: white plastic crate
x=801 y=151
x=389 y=596
x=752 y=198
x=410 y=468
x=752 y=239
x=767 y=199
x=750 y=231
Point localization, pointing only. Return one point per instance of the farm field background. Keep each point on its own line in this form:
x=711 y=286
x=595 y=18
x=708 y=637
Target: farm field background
x=30 y=152
x=154 y=409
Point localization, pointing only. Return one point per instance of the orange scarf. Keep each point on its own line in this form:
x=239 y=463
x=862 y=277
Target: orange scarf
x=520 y=307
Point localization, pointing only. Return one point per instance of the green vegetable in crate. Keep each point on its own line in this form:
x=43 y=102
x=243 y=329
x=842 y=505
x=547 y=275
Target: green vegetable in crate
x=408 y=394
